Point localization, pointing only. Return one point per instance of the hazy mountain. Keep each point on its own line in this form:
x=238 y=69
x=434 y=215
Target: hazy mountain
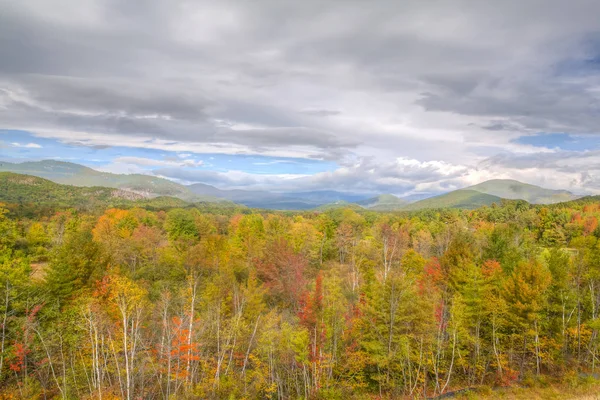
x=493 y=191
x=411 y=198
x=326 y=196
x=278 y=201
x=79 y=175
x=149 y=186
x=384 y=202
x=254 y=198
x=338 y=204
x=463 y=198
x=511 y=189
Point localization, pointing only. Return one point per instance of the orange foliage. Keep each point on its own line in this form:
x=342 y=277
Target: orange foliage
x=590 y=225
x=491 y=268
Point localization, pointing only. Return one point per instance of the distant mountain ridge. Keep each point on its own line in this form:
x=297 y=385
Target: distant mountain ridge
x=515 y=190
x=462 y=198
x=253 y=198
x=27 y=192
x=485 y=193
x=78 y=175
x=383 y=202
x=151 y=186
x=493 y=191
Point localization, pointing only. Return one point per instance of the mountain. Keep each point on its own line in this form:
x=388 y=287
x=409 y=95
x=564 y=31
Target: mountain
x=277 y=201
x=411 y=198
x=79 y=175
x=338 y=204
x=19 y=189
x=493 y=191
x=149 y=186
x=31 y=195
x=325 y=196
x=515 y=190
x=253 y=198
x=384 y=202
x=463 y=198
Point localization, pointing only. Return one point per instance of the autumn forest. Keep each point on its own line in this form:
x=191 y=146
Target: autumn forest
x=207 y=303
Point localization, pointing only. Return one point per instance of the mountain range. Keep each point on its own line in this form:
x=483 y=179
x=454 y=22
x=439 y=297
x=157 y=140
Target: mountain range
x=78 y=175
x=146 y=186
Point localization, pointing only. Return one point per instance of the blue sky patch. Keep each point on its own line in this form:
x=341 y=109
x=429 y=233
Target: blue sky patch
x=562 y=141
x=20 y=146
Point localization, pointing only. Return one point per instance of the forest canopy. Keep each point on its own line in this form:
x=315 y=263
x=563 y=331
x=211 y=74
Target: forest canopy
x=163 y=301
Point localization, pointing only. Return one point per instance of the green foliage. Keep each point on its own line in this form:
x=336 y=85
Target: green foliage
x=467 y=199
x=78 y=175
x=206 y=302
x=30 y=196
x=181 y=225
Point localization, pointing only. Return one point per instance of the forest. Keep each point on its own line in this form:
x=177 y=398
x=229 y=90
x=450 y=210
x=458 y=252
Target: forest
x=199 y=303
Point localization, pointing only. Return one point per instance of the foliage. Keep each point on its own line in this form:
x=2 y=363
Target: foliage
x=194 y=302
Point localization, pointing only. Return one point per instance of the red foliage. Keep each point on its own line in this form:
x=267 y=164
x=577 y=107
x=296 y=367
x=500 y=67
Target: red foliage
x=311 y=316
x=590 y=225
x=432 y=277
x=282 y=271
x=102 y=287
x=33 y=312
x=180 y=351
x=20 y=355
x=234 y=222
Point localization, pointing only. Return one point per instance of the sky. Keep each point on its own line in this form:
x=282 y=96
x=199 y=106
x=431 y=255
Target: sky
x=376 y=96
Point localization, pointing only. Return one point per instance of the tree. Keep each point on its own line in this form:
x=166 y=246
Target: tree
x=526 y=296
x=74 y=263
x=283 y=273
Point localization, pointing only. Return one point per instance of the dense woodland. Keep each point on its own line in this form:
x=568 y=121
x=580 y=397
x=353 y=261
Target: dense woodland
x=236 y=303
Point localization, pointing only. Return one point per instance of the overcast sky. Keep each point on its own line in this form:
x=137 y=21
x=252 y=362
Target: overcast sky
x=375 y=96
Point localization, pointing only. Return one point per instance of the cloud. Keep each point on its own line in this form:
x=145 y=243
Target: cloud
x=229 y=179
x=366 y=176
x=321 y=113
x=439 y=86
x=162 y=163
x=26 y=145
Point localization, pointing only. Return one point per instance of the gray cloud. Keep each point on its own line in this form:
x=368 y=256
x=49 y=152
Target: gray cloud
x=321 y=113
x=417 y=80
x=544 y=106
x=110 y=97
x=562 y=161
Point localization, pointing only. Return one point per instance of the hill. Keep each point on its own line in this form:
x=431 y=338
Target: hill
x=151 y=186
x=147 y=186
x=253 y=198
x=20 y=189
x=463 y=198
x=79 y=175
x=337 y=205
x=384 y=202
x=31 y=195
x=493 y=191
x=275 y=201
x=515 y=190
x=325 y=196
